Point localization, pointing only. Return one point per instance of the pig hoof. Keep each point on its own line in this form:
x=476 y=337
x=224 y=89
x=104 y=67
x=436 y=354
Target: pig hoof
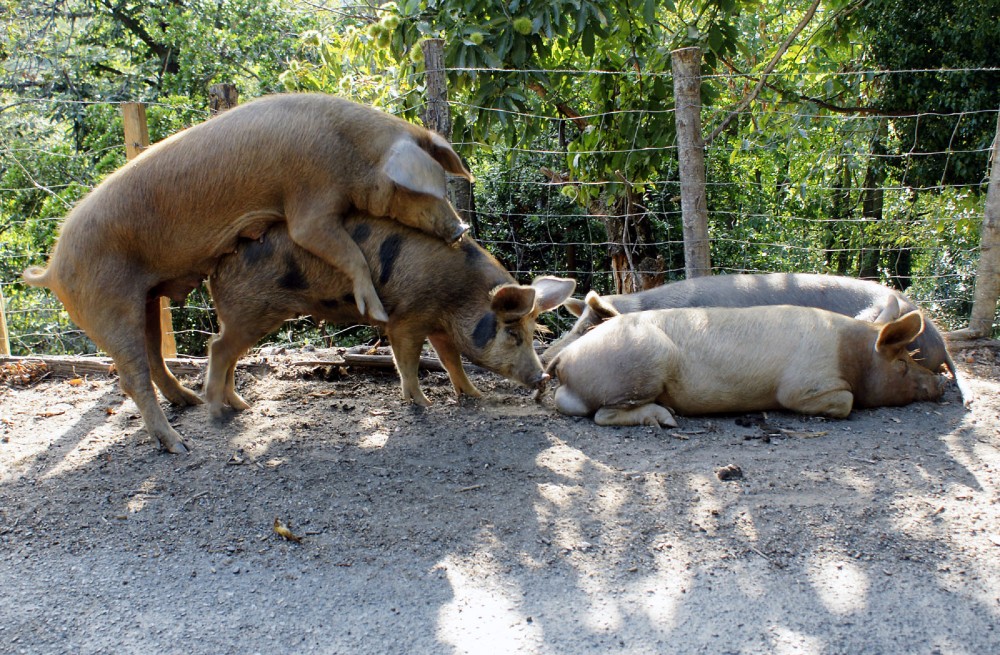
x=176 y=447
x=187 y=397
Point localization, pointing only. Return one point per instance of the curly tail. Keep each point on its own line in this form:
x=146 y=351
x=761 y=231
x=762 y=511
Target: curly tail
x=36 y=276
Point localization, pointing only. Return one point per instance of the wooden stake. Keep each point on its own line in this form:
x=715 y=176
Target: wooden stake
x=137 y=140
x=4 y=339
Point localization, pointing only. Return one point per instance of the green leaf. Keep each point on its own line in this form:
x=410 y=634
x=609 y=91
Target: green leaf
x=649 y=11
x=587 y=41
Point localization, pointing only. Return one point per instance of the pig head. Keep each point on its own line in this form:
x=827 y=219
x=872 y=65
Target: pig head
x=461 y=299
x=861 y=299
x=639 y=368
x=159 y=225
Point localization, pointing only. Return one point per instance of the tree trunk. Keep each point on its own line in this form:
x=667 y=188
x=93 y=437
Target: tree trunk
x=635 y=263
x=984 y=304
x=837 y=242
x=873 y=203
x=686 y=64
x=437 y=117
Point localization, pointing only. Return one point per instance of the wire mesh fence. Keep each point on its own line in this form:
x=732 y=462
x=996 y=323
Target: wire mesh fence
x=799 y=189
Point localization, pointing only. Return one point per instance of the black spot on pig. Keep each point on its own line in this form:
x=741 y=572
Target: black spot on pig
x=387 y=254
x=485 y=330
x=330 y=303
x=256 y=251
x=348 y=299
x=361 y=232
x=292 y=279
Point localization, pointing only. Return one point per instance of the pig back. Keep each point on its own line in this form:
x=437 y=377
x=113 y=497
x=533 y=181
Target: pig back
x=862 y=299
x=416 y=276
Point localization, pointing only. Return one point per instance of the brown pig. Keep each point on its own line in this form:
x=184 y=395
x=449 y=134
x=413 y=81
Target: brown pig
x=157 y=226
x=461 y=299
x=636 y=369
x=862 y=299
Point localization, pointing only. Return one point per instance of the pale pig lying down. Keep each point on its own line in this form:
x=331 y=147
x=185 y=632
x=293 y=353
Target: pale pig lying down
x=636 y=369
x=462 y=299
x=862 y=299
x=158 y=225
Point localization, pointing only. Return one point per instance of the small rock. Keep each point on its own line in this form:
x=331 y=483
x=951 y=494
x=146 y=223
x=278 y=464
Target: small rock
x=730 y=472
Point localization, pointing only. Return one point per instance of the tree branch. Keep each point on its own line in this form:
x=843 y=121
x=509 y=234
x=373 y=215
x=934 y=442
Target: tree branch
x=767 y=71
x=562 y=107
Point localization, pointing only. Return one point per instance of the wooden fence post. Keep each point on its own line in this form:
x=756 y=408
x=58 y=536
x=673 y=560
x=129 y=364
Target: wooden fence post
x=686 y=65
x=137 y=140
x=4 y=339
x=222 y=97
x=984 y=303
x=437 y=117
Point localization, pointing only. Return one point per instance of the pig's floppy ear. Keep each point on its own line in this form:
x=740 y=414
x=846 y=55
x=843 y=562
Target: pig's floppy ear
x=445 y=155
x=551 y=291
x=512 y=301
x=601 y=308
x=409 y=166
x=894 y=337
x=575 y=306
x=889 y=313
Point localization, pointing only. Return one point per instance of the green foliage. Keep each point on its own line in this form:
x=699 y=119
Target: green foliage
x=956 y=110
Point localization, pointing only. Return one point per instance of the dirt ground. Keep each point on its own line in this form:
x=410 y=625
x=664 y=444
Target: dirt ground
x=493 y=526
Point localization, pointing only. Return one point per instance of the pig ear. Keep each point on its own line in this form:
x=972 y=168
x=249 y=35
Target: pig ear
x=409 y=166
x=895 y=336
x=445 y=155
x=889 y=313
x=512 y=301
x=550 y=291
x=601 y=309
x=575 y=306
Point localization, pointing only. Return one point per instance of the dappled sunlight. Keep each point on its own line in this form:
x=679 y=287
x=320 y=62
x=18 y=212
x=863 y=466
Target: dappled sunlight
x=704 y=512
x=141 y=496
x=376 y=433
x=839 y=582
x=658 y=596
x=850 y=478
x=559 y=495
x=88 y=447
x=484 y=615
x=565 y=460
x=785 y=641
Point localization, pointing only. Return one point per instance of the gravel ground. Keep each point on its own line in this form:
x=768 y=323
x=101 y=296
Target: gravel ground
x=493 y=526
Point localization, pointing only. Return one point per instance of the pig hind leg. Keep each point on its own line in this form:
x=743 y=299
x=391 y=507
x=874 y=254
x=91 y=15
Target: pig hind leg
x=828 y=399
x=168 y=385
x=649 y=414
x=118 y=326
x=406 y=355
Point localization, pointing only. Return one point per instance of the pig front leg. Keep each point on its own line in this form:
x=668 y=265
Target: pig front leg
x=323 y=234
x=650 y=414
x=451 y=359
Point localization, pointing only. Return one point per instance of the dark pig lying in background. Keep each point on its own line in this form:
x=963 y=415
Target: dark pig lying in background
x=158 y=225
x=638 y=368
x=461 y=299
x=861 y=299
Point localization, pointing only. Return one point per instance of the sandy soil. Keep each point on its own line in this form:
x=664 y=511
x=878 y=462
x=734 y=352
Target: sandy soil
x=493 y=526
